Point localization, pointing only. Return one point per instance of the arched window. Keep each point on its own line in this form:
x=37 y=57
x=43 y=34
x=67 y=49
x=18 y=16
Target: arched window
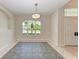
x=31 y=27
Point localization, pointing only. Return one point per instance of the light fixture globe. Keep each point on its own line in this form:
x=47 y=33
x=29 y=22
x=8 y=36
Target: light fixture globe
x=36 y=16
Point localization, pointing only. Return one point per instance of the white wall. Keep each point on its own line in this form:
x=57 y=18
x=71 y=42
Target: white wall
x=57 y=28
x=7 y=30
x=45 y=31
x=54 y=28
x=61 y=26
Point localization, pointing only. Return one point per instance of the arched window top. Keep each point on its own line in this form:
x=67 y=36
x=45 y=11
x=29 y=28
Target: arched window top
x=31 y=27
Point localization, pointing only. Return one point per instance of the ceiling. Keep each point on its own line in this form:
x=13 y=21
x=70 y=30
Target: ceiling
x=22 y=7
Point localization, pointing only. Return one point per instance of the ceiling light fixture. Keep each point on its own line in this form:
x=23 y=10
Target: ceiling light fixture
x=36 y=15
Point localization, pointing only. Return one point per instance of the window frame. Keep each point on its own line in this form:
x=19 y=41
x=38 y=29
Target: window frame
x=35 y=30
x=71 y=13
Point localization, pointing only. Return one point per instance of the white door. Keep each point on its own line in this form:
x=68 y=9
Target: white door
x=70 y=26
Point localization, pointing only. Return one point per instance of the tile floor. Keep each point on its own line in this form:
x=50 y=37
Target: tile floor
x=32 y=51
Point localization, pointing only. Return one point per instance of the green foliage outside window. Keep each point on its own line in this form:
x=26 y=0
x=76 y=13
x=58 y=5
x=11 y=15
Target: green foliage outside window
x=31 y=27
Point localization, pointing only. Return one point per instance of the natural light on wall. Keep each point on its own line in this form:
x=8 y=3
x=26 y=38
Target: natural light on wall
x=31 y=27
x=71 y=12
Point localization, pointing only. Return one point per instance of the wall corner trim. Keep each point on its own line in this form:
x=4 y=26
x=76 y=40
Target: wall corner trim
x=6 y=49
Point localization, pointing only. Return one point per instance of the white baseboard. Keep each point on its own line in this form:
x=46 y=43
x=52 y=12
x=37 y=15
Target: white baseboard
x=4 y=50
x=32 y=40
x=63 y=52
